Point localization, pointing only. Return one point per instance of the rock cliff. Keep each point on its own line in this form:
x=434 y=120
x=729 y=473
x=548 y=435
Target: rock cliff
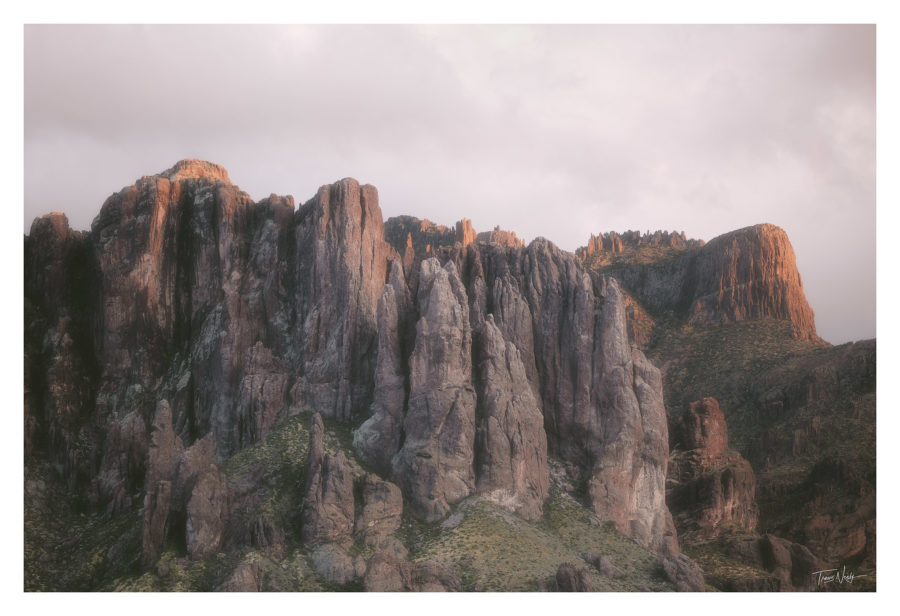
x=468 y=358
x=440 y=371
x=750 y=273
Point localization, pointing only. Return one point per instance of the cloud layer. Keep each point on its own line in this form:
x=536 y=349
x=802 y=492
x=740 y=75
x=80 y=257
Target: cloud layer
x=555 y=131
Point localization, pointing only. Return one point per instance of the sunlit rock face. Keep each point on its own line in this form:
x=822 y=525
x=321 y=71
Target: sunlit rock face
x=746 y=274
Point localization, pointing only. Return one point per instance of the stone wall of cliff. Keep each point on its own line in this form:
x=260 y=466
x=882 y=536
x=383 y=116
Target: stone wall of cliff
x=750 y=273
x=468 y=363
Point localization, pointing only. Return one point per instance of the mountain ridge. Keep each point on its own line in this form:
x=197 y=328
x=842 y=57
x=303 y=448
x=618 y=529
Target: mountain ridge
x=191 y=314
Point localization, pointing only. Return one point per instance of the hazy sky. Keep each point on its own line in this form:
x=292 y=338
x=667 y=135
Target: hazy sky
x=557 y=131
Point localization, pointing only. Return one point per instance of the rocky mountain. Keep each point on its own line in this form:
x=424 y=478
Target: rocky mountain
x=255 y=395
x=729 y=326
x=748 y=274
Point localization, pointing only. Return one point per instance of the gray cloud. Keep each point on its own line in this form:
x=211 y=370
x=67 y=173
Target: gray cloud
x=553 y=131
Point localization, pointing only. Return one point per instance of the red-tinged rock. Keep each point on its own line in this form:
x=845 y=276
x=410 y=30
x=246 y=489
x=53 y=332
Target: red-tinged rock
x=703 y=428
x=342 y=259
x=710 y=487
x=465 y=234
x=500 y=237
x=751 y=273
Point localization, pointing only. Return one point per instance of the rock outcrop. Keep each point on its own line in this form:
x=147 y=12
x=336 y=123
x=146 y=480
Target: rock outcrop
x=210 y=297
x=191 y=320
x=186 y=290
x=465 y=234
x=817 y=415
x=684 y=573
x=246 y=577
x=629 y=476
x=604 y=565
x=61 y=371
x=746 y=274
x=613 y=243
x=710 y=485
x=573 y=578
x=187 y=496
x=434 y=466
x=386 y=573
x=381 y=511
x=548 y=339
x=751 y=274
x=335 y=565
x=342 y=266
x=329 y=506
x=501 y=237
x=512 y=445
x=377 y=440
x=790 y=564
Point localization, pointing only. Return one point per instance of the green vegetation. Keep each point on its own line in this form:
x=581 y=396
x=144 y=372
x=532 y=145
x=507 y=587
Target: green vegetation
x=723 y=361
x=70 y=550
x=608 y=263
x=725 y=573
x=493 y=550
x=489 y=548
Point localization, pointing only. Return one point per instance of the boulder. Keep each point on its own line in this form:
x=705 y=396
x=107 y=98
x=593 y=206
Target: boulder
x=684 y=573
x=604 y=565
x=572 y=578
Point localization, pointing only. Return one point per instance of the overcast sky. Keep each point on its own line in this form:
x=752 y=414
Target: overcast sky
x=557 y=131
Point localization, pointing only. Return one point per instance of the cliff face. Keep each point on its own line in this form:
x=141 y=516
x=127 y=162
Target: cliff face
x=61 y=371
x=750 y=273
x=468 y=363
x=817 y=415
